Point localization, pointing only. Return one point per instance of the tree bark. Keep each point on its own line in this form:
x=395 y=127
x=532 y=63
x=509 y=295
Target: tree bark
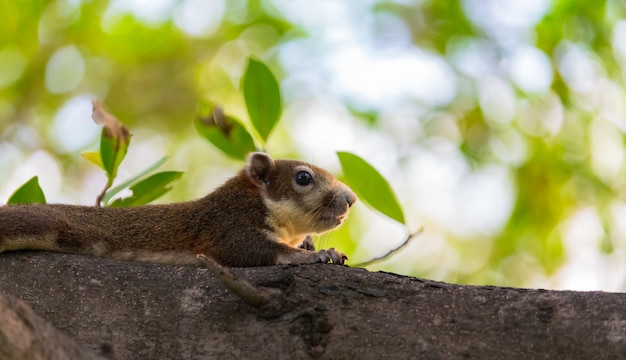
x=24 y=335
x=149 y=311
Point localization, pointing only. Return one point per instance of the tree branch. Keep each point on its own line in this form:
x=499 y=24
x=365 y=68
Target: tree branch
x=390 y=252
x=152 y=311
x=24 y=335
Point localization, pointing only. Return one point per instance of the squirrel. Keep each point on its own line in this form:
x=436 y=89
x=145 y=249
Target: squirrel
x=262 y=216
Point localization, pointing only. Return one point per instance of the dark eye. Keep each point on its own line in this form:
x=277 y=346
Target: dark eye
x=304 y=178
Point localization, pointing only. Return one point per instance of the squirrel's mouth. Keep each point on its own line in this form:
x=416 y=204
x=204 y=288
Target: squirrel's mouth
x=332 y=215
x=334 y=220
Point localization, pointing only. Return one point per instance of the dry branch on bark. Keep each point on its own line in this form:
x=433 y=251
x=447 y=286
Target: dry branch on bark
x=150 y=311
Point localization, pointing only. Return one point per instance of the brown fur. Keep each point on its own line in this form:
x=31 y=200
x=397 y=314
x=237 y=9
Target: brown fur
x=256 y=218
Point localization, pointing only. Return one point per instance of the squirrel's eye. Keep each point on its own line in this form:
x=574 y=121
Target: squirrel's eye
x=304 y=178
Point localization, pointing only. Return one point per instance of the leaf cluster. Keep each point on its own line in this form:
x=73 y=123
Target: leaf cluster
x=263 y=100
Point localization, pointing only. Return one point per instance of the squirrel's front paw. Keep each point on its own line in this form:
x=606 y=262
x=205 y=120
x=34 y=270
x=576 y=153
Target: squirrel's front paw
x=307 y=244
x=333 y=255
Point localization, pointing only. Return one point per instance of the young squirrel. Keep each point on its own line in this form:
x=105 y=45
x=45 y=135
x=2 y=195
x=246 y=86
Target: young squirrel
x=258 y=217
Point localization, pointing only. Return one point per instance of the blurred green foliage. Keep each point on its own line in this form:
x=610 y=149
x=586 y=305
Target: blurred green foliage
x=151 y=73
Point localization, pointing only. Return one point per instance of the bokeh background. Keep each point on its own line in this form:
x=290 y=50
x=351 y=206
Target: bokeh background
x=499 y=123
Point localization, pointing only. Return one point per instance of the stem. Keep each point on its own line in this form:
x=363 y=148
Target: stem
x=392 y=251
x=104 y=191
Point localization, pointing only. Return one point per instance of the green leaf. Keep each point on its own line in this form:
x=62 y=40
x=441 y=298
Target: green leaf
x=262 y=95
x=370 y=186
x=225 y=132
x=113 y=142
x=28 y=193
x=112 y=152
x=94 y=158
x=114 y=191
x=148 y=189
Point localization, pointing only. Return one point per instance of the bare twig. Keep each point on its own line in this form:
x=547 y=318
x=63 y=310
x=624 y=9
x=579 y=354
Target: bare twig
x=391 y=252
x=252 y=295
x=103 y=192
x=267 y=303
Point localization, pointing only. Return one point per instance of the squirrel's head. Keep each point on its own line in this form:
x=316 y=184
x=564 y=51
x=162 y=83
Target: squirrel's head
x=302 y=198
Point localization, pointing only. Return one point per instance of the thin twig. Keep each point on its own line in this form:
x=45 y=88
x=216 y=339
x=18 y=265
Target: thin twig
x=252 y=295
x=391 y=252
x=102 y=193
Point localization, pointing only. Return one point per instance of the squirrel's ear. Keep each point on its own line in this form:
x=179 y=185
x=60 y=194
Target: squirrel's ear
x=259 y=167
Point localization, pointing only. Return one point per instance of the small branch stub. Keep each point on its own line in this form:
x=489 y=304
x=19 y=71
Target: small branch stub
x=268 y=304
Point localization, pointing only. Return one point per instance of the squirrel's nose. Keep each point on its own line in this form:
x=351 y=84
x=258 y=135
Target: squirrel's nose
x=350 y=198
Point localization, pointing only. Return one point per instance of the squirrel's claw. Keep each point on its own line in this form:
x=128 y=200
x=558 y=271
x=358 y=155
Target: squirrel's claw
x=338 y=257
x=326 y=256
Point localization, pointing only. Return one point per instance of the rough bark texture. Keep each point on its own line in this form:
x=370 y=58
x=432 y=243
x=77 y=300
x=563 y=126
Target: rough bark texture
x=24 y=335
x=333 y=312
